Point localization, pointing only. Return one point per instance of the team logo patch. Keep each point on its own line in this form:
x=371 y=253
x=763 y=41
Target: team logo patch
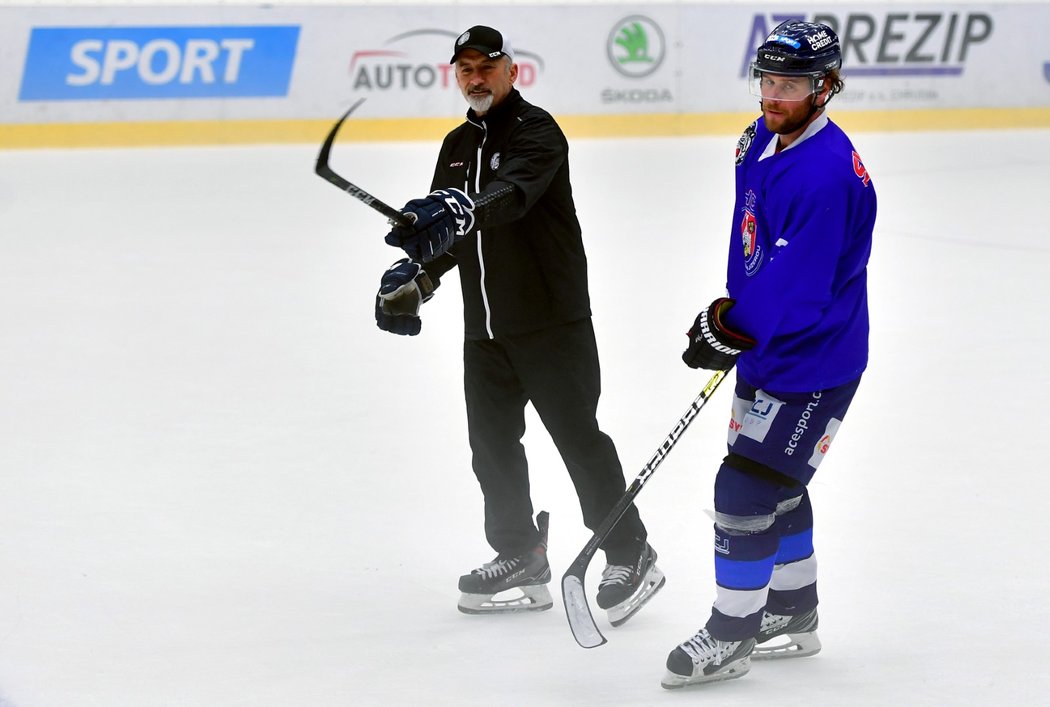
x=748 y=232
x=494 y=162
x=744 y=143
x=753 y=253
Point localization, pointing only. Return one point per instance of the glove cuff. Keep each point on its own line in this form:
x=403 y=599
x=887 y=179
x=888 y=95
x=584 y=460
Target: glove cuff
x=426 y=285
x=717 y=334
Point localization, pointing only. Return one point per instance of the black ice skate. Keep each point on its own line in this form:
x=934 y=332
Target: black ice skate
x=798 y=636
x=704 y=659
x=624 y=589
x=510 y=584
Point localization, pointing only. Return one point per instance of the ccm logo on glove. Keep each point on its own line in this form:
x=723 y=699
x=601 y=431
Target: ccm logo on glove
x=438 y=220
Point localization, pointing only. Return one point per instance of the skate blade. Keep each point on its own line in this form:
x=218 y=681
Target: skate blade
x=534 y=597
x=798 y=645
x=654 y=582
x=674 y=681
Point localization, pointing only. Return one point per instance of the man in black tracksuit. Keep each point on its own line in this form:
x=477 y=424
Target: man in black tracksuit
x=502 y=211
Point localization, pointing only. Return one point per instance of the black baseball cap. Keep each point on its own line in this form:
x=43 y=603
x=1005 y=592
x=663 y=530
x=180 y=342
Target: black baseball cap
x=483 y=39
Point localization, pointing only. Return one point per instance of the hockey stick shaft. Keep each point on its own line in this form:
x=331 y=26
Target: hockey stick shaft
x=323 y=170
x=574 y=596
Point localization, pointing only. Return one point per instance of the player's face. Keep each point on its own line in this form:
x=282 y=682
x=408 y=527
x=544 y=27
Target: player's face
x=787 y=103
x=484 y=81
x=785 y=117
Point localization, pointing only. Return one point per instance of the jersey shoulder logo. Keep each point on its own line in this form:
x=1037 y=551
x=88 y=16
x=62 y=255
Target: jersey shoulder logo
x=860 y=170
x=744 y=143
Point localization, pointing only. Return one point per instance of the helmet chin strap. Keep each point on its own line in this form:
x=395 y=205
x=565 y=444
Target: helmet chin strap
x=814 y=108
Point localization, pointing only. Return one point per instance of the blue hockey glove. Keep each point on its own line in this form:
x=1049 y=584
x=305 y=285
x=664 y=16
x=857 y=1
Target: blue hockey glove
x=711 y=344
x=438 y=220
x=404 y=288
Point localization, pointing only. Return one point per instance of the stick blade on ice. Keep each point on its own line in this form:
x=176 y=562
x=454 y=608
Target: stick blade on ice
x=581 y=622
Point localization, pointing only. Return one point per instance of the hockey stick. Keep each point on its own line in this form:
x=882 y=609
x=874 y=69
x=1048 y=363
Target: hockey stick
x=577 y=610
x=323 y=170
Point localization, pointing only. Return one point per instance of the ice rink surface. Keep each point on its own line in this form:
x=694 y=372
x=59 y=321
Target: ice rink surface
x=221 y=485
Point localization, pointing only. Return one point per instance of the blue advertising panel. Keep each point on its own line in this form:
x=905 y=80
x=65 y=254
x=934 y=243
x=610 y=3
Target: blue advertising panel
x=94 y=63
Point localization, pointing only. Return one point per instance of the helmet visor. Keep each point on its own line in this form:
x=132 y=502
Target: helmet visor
x=780 y=87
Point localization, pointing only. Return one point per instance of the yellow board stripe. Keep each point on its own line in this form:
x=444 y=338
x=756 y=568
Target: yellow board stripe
x=240 y=132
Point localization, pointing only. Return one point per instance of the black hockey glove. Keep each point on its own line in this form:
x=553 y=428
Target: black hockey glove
x=402 y=291
x=711 y=344
x=439 y=220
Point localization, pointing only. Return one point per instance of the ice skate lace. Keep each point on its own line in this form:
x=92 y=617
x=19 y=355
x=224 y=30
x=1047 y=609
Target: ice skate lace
x=615 y=574
x=496 y=568
x=703 y=649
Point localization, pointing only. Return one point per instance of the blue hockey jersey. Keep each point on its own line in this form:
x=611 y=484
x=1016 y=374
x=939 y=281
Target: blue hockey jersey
x=798 y=256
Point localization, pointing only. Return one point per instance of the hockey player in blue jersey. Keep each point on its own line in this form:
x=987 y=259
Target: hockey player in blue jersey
x=795 y=323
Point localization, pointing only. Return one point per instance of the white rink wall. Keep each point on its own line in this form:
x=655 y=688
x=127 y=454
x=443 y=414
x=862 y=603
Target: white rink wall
x=97 y=73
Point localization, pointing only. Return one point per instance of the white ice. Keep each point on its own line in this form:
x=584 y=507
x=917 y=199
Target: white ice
x=221 y=485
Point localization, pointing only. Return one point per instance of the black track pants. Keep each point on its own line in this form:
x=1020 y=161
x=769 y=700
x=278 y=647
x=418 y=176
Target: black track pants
x=557 y=370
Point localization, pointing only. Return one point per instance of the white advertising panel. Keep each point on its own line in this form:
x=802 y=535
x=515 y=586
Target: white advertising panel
x=128 y=63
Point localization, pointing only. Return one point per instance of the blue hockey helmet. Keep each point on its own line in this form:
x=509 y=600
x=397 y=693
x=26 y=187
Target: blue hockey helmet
x=797 y=48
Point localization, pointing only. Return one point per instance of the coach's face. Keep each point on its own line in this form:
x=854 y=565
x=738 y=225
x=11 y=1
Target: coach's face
x=484 y=81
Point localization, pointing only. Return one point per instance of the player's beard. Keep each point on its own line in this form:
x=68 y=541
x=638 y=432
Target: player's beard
x=786 y=124
x=480 y=102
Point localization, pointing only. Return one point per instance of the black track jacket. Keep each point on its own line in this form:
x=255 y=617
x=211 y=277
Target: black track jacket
x=523 y=267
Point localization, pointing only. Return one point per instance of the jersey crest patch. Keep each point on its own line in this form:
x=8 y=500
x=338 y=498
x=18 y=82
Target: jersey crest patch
x=744 y=143
x=749 y=235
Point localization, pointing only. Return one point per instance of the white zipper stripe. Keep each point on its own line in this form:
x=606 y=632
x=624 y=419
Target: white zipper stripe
x=481 y=258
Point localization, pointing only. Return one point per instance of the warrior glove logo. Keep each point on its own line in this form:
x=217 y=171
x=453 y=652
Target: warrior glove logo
x=705 y=332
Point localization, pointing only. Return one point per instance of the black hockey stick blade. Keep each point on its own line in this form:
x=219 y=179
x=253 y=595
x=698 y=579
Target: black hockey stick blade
x=574 y=595
x=323 y=170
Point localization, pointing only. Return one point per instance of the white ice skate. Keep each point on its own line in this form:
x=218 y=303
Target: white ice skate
x=783 y=636
x=704 y=659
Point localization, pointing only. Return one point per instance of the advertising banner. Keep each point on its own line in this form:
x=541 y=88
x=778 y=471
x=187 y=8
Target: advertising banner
x=84 y=63
x=646 y=64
